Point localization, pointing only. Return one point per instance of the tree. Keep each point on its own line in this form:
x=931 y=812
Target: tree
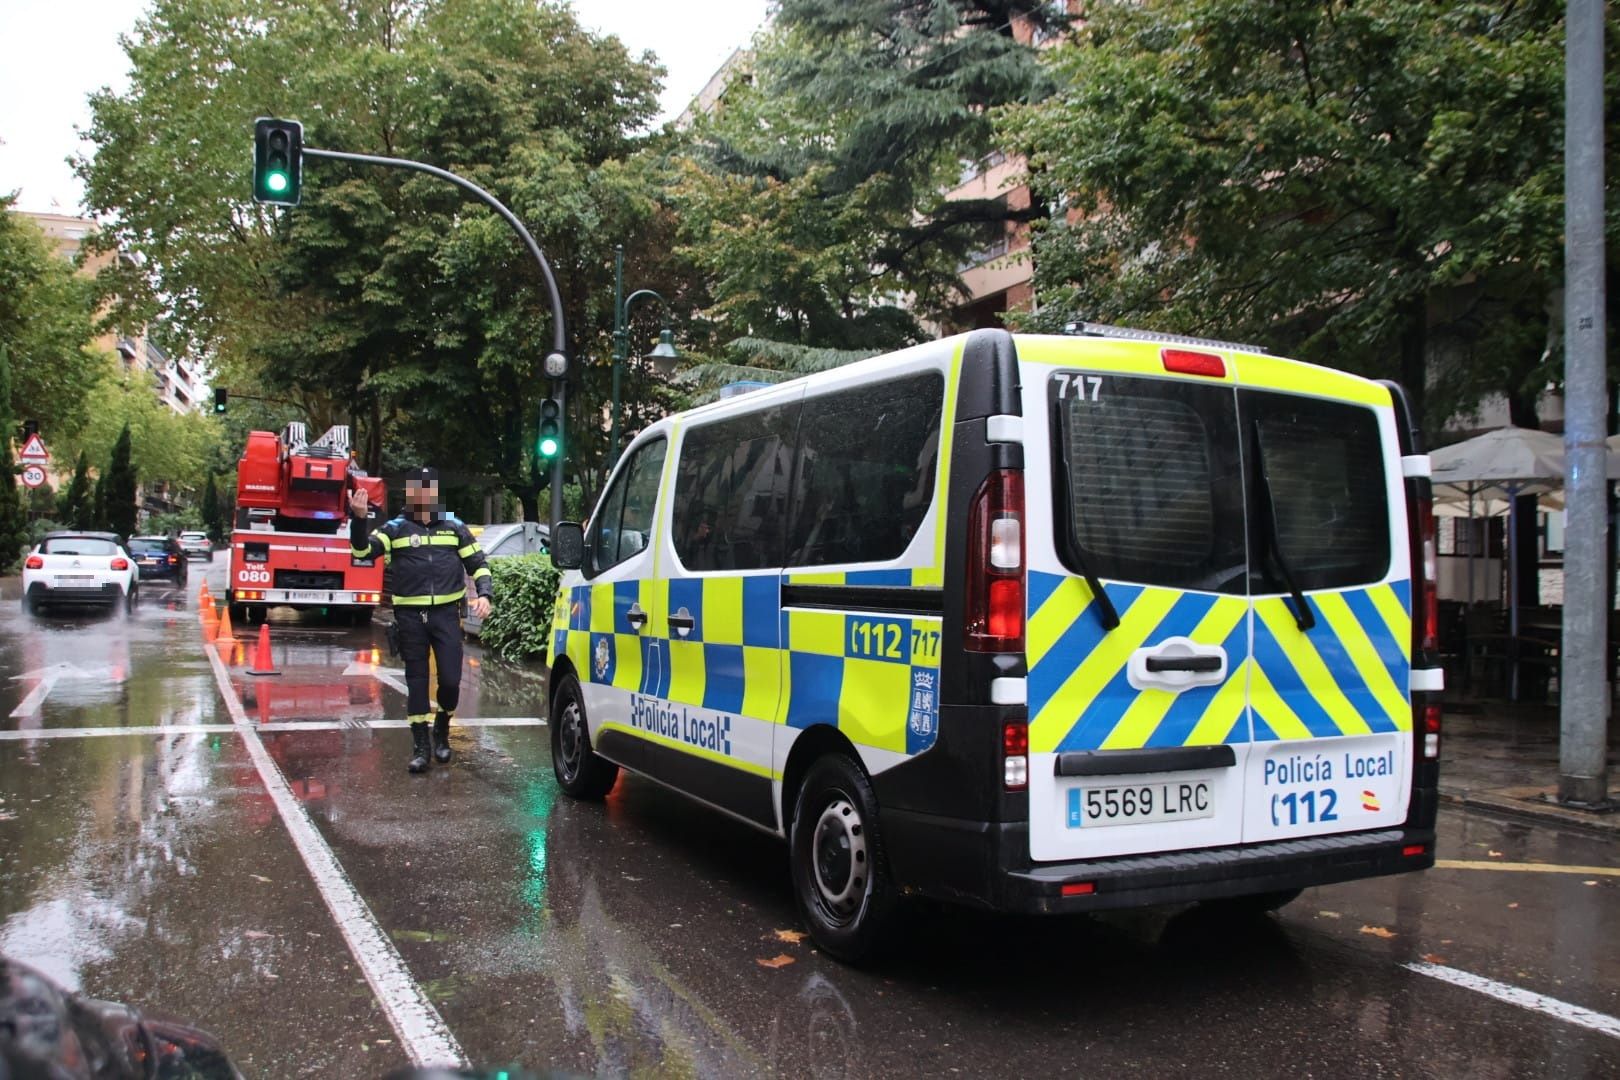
x=13 y=518
x=1375 y=185
x=121 y=509
x=213 y=520
x=98 y=504
x=75 y=507
x=814 y=201
x=47 y=323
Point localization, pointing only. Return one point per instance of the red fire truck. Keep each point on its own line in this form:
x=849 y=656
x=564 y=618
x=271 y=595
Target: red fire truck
x=291 y=541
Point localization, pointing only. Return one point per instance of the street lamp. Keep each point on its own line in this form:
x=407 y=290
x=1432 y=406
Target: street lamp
x=663 y=355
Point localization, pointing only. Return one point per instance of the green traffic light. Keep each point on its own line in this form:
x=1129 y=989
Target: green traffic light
x=548 y=447
x=276 y=182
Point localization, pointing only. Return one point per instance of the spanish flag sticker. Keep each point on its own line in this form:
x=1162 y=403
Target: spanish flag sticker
x=1369 y=801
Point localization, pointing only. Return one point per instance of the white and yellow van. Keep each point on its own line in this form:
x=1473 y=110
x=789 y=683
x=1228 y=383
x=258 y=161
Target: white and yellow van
x=1037 y=624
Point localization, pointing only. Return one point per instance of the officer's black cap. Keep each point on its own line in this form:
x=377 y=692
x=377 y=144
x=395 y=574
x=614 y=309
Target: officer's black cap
x=423 y=476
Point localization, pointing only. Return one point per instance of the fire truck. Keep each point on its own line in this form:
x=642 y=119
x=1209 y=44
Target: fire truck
x=291 y=541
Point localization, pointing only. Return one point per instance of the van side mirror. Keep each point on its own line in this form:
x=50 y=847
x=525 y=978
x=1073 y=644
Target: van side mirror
x=568 y=545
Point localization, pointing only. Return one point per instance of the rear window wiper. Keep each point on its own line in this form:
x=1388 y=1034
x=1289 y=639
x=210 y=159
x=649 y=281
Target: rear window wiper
x=1304 y=618
x=1107 y=613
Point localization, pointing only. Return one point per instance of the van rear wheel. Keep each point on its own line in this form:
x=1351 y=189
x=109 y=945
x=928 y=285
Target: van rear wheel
x=840 y=872
x=581 y=771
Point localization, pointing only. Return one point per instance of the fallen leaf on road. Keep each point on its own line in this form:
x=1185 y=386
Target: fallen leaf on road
x=775 y=962
x=260 y=877
x=792 y=937
x=1514 y=904
x=255 y=935
x=1433 y=958
x=1592 y=882
x=1493 y=854
x=1378 y=931
x=1330 y=915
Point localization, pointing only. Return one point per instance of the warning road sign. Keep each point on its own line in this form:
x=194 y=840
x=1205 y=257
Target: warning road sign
x=34 y=450
x=33 y=475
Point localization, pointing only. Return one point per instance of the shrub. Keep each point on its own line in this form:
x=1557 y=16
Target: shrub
x=519 y=625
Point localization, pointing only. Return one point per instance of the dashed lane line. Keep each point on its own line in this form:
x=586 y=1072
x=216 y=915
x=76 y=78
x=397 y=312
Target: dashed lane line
x=1601 y=1023
x=418 y=1024
x=42 y=734
x=1526 y=867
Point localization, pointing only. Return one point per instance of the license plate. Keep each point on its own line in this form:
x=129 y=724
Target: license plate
x=307 y=596
x=149 y=562
x=1139 y=804
x=75 y=577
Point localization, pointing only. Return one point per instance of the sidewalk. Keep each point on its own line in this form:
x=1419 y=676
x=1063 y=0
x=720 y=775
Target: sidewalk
x=1502 y=757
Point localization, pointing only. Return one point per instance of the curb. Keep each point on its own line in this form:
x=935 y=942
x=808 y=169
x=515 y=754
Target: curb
x=1523 y=805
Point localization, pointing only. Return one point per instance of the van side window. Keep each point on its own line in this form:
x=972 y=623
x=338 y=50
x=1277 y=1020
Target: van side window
x=866 y=465
x=1324 y=464
x=731 y=491
x=623 y=525
x=1147 y=477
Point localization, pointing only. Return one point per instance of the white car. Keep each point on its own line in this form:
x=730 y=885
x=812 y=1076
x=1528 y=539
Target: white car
x=79 y=568
x=500 y=541
x=196 y=543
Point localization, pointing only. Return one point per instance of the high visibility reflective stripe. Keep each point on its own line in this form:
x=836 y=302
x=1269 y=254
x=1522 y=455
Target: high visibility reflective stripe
x=481 y=572
x=429 y=601
x=467 y=550
x=384 y=539
x=359 y=554
x=419 y=718
x=443 y=540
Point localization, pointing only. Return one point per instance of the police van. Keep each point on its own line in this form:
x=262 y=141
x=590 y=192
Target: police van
x=1032 y=623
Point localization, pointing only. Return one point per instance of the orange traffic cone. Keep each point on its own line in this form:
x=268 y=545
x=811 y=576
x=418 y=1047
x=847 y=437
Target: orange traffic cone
x=226 y=633
x=210 y=624
x=205 y=599
x=263 y=664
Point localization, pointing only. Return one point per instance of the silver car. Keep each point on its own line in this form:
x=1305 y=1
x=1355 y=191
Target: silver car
x=499 y=541
x=196 y=543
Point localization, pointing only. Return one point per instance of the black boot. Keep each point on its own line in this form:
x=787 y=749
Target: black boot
x=441 y=737
x=419 y=748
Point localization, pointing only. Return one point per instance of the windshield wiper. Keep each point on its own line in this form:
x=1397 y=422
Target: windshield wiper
x=1304 y=618
x=1107 y=613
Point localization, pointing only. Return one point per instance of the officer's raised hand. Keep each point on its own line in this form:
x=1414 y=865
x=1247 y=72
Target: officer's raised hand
x=479 y=606
x=359 y=503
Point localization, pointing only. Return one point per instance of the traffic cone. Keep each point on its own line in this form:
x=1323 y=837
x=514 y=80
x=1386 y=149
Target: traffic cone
x=263 y=664
x=210 y=624
x=225 y=633
x=205 y=599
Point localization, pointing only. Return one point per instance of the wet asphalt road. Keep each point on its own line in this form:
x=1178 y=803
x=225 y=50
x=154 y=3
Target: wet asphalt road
x=649 y=936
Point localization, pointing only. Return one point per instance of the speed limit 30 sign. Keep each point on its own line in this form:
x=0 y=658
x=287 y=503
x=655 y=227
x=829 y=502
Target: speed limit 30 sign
x=33 y=475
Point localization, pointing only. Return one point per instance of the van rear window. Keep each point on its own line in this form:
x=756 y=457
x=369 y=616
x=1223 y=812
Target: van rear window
x=1148 y=481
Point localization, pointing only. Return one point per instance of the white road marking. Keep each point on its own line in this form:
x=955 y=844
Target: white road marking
x=39 y=734
x=388 y=676
x=1525 y=999
x=47 y=678
x=421 y=1029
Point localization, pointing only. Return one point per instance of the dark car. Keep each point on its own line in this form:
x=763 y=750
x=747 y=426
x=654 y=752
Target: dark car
x=159 y=558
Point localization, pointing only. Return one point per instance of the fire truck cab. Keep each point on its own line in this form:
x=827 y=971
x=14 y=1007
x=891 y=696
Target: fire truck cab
x=290 y=545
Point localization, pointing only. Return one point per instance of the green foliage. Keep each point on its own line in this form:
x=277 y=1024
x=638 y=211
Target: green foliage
x=98 y=504
x=40 y=526
x=211 y=513
x=46 y=322
x=759 y=360
x=519 y=623
x=121 y=483
x=13 y=518
x=41 y=500
x=172 y=524
x=1366 y=185
x=75 y=505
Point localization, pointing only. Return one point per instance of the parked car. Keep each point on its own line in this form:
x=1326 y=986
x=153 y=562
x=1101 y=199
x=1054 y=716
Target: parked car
x=79 y=568
x=197 y=543
x=160 y=558
x=501 y=541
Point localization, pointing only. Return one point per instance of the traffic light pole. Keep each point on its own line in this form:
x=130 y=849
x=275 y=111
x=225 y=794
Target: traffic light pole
x=559 y=333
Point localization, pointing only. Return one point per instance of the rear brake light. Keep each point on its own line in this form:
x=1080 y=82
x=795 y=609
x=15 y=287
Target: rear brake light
x=1015 y=755
x=1188 y=362
x=174 y=560
x=120 y=564
x=1413 y=850
x=993 y=611
x=1079 y=888
x=35 y=563
x=1429 y=725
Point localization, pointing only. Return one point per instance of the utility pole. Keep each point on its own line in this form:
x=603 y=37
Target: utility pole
x=1583 y=778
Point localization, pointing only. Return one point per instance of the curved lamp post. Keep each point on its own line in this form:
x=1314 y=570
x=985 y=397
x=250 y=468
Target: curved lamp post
x=663 y=355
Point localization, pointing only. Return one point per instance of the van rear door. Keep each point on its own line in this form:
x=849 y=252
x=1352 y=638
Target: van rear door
x=1329 y=687
x=1138 y=610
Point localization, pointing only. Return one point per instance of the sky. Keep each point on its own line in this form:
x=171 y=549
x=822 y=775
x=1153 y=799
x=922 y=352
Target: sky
x=54 y=54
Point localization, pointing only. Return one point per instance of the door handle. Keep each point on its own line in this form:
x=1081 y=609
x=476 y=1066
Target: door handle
x=682 y=621
x=636 y=617
x=1176 y=664
x=1184 y=663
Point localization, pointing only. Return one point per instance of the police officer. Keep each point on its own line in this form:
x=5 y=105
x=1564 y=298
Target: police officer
x=430 y=551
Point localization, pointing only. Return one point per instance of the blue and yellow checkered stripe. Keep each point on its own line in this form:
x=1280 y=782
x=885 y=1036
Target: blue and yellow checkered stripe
x=919 y=577
x=1348 y=675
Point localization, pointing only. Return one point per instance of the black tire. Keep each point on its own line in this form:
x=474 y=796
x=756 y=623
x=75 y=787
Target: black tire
x=131 y=597
x=581 y=772
x=35 y=605
x=840 y=871
x=1255 y=903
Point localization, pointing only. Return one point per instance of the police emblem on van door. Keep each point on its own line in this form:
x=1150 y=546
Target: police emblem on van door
x=604 y=657
x=416 y=541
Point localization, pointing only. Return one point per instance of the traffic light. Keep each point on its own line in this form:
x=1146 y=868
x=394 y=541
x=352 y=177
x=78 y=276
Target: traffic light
x=278 y=161
x=221 y=396
x=550 y=444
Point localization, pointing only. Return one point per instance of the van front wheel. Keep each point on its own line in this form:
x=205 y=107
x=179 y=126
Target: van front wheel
x=840 y=874
x=581 y=772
